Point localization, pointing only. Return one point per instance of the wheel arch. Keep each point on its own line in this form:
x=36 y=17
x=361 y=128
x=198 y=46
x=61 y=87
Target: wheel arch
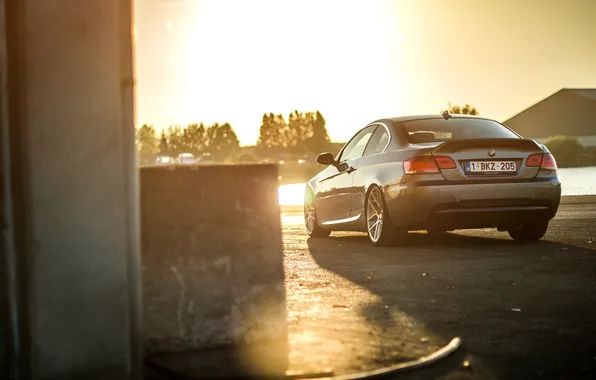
x=368 y=186
x=309 y=187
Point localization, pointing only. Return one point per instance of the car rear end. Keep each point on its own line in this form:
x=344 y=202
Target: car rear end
x=474 y=173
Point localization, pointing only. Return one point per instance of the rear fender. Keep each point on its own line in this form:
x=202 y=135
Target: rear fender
x=369 y=184
x=387 y=198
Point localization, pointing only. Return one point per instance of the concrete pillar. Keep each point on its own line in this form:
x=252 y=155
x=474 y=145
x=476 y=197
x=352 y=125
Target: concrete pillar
x=69 y=200
x=213 y=272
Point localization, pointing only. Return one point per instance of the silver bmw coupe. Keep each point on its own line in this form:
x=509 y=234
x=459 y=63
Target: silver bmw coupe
x=436 y=173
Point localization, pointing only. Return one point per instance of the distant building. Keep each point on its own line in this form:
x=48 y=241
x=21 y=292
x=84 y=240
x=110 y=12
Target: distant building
x=568 y=112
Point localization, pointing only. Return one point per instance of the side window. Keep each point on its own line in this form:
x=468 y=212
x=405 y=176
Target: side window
x=356 y=146
x=378 y=141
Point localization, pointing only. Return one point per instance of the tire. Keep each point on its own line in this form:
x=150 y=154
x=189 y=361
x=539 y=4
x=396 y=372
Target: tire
x=380 y=228
x=313 y=229
x=529 y=231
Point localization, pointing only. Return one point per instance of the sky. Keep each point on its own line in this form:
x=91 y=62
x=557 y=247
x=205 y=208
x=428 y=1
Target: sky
x=354 y=60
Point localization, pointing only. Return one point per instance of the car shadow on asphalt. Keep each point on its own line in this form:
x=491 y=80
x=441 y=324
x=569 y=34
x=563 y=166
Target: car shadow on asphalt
x=523 y=310
x=449 y=246
x=416 y=239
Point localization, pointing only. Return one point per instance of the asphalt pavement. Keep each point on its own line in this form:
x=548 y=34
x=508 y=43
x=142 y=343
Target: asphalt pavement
x=523 y=311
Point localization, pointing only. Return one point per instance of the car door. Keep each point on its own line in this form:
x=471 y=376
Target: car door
x=336 y=189
x=368 y=166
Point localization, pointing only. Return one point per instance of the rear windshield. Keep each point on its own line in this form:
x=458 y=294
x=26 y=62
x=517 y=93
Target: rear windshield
x=430 y=130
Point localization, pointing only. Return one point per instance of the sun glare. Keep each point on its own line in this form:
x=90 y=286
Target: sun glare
x=247 y=58
x=291 y=195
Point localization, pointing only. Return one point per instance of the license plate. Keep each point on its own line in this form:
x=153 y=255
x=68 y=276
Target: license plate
x=491 y=167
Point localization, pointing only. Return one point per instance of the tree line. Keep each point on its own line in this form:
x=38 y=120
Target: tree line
x=466 y=109
x=302 y=132
x=299 y=133
x=219 y=141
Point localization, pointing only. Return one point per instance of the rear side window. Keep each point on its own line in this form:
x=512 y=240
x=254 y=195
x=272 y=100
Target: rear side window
x=439 y=129
x=378 y=141
x=355 y=147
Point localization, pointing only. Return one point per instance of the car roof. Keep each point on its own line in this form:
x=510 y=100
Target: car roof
x=400 y=119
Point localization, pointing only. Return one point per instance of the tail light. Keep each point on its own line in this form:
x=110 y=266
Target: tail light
x=545 y=161
x=548 y=162
x=427 y=165
x=420 y=165
x=445 y=162
x=534 y=160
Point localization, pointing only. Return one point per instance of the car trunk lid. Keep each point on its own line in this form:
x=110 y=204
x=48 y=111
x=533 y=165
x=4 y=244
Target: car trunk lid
x=494 y=159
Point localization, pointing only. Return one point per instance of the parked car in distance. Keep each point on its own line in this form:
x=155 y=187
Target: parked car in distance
x=205 y=159
x=186 y=158
x=164 y=160
x=436 y=173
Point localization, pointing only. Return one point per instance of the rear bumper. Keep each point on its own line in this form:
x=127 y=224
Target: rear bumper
x=472 y=205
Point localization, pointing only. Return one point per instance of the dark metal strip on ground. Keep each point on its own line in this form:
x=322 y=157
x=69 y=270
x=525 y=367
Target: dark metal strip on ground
x=405 y=367
x=376 y=374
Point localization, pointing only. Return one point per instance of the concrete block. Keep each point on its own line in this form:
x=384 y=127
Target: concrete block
x=213 y=263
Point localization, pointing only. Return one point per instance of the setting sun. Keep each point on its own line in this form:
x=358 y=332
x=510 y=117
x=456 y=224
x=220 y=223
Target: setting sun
x=241 y=59
x=355 y=61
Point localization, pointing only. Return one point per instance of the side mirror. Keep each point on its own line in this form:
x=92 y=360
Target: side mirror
x=326 y=159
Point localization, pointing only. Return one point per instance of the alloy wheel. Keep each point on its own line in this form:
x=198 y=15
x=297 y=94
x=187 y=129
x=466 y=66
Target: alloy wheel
x=374 y=214
x=309 y=218
x=311 y=225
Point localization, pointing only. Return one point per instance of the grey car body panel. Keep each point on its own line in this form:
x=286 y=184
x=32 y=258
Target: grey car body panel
x=333 y=197
x=450 y=198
